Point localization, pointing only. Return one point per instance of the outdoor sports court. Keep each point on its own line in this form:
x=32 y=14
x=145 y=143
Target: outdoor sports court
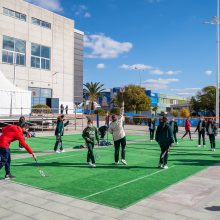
x=116 y=186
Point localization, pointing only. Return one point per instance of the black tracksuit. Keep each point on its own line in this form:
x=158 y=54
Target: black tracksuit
x=201 y=131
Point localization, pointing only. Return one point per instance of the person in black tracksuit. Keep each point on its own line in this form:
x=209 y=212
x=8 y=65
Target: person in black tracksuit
x=201 y=126
x=212 y=131
x=164 y=137
x=173 y=124
x=59 y=133
x=152 y=127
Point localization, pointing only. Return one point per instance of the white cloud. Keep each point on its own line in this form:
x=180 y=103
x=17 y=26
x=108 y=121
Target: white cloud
x=100 y=66
x=51 y=5
x=158 y=84
x=136 y=67
x=81 y=11
x=186 y=91
x=104 y=47
x=160 y=72
x=208 y=72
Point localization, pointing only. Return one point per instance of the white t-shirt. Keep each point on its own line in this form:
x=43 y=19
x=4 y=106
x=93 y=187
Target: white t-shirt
x=116 y=129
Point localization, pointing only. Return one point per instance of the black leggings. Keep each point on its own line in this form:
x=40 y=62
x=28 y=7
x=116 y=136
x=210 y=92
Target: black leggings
x=187 y=132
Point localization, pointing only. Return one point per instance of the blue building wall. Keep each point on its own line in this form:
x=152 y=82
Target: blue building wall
x=153 y=97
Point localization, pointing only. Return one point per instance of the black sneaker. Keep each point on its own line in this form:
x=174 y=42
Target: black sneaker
x=9 y=176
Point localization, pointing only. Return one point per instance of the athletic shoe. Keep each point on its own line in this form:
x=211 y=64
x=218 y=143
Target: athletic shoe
x=90 y=164
x=165 y=167
x=124 y=162
x=93 y=165
x=21 y=148
x=199 y=145
x=204 y=145
x=57 y=151
x=9 y=176
x=213 y=149
x=62 y=151
x=177 y=143
x=116 y=163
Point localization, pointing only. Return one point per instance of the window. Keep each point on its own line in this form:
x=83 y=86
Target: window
x=14 y=51
x=14 y=14
x=41 y=23
x=40 y=56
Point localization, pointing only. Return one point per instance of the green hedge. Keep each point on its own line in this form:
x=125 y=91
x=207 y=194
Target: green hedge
x=100 y=112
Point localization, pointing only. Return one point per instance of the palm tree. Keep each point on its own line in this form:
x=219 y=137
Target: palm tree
x=93 y=91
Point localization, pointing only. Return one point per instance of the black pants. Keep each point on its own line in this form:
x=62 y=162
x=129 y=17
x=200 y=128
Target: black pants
x=201 y=134
x=102 y=134
x=58 y=142
x=90 y=155
x=152 y=134
x=175 y=138
x=163 y=149
x=187 y=132
x=212 y=140
x=5 y=159
x=117 y=144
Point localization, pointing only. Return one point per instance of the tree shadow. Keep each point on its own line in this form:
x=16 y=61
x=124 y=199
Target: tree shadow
x=193 y=162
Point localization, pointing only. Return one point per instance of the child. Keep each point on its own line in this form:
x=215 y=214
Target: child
x=59 y=133
x=89 y=134
x=152 y=128
x=174 y=126
x=164 y=137
x=212 y=131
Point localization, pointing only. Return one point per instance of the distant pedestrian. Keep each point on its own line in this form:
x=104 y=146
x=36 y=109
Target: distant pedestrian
x=152 y=128
x=164 y=137
x=66 y=109
x=212 y=131
x=59 y=132
x=90 y=133
x=61 y=109
x=174 y=126
x=201 y=126
x=187 y=129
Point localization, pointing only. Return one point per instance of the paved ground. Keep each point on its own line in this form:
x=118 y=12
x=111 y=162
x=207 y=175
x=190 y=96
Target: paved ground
x=198 y=197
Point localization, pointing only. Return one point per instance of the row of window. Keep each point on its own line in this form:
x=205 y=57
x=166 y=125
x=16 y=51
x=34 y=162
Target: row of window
x=23 y=17
x=14 y=52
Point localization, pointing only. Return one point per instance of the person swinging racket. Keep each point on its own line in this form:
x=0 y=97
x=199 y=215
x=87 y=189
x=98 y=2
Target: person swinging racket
x=12 y=133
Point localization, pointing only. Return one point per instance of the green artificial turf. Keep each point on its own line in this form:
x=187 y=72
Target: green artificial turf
x=41 y=144
x=111 y=185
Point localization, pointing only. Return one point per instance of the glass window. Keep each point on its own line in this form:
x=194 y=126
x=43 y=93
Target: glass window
x=17 y=15
x=35 y=62
x=11 y=13
x=23 y=17
x=45 y=52
x=20 y=59
x=14 y=14
x=8 y=43
x=47 y=65
x=5 y=11
x=7 y=57
x=20 y=46
x=35 y=49
x=41 y=23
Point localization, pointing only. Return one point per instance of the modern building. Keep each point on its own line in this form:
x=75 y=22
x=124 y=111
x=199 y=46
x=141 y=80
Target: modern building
x=42 y=52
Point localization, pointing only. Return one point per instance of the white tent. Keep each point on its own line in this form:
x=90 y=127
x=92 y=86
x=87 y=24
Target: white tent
x=13 y=100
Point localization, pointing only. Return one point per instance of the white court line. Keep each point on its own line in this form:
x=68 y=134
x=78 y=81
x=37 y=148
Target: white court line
x=123 y=184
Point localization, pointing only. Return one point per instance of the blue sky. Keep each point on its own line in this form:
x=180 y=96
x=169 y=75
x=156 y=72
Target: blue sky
x=162 y=43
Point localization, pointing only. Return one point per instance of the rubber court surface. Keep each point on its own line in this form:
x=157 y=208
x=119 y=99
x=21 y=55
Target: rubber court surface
x=116 y=186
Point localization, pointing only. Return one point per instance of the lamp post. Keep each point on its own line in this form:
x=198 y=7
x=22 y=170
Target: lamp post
x=215 y=20
x=139 y=72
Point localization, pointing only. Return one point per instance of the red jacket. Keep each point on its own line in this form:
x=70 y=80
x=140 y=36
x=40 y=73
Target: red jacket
x=187 y=125
x=12 y=133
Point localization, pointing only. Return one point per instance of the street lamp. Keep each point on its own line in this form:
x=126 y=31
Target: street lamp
x=53 y=74
x=215 y=20
x=139 y=71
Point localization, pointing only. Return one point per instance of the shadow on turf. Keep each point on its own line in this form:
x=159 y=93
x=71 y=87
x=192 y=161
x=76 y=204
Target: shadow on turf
x=192 y=162
x=84 y=165
x=213 y=208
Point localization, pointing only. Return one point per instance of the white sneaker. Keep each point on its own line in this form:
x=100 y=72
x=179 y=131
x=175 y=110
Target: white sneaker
x=57 y=151
x=124 y=162
x=116 y=163
x=151 y=140
x=165 y=167
x=93 y=165
x=213 y=149
x=62 y=151
x=177 y=143
x=199 y=145
x=90 y=164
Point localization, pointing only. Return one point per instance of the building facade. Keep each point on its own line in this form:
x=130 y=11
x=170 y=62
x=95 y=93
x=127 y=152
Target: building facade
x=40 y=52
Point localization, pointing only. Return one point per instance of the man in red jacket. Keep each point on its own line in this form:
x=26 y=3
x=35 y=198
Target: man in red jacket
x=11 y=133
x=187 y=129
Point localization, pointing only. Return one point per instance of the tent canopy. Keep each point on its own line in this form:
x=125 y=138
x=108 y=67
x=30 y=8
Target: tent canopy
x=14 y=100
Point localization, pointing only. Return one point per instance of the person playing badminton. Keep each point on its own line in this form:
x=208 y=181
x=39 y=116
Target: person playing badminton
x=59 y=131
x=90 y=133
x=164 y=137
x=119 y=138
x=12 y=133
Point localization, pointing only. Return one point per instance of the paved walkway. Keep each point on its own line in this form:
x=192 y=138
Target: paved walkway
x=198 y=197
